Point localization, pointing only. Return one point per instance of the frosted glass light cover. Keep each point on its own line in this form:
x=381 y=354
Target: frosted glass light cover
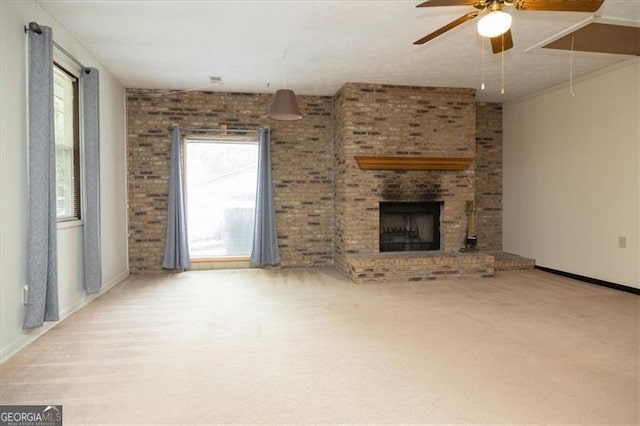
x=494 y=24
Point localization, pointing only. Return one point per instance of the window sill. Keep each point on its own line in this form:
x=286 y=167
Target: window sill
x=67 y=224
x=220 y=263
x=220 y=259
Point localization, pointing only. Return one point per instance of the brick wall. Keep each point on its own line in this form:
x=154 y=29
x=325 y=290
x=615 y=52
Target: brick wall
x=397 y=120
x=308 y=160
x=302 y=162
x=489 y=175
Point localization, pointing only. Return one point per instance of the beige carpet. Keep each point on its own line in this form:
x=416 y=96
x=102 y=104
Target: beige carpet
x=302 y=346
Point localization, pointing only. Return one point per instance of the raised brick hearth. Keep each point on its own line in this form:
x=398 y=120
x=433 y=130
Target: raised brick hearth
x=417 y=266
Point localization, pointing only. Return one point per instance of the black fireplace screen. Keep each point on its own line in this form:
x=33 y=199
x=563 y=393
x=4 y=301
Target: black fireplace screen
x=410 y=226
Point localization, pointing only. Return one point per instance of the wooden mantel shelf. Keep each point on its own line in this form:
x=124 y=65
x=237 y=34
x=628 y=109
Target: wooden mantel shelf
x=412 y=163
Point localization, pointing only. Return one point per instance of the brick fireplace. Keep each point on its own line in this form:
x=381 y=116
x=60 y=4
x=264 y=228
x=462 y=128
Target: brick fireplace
x=405 y=123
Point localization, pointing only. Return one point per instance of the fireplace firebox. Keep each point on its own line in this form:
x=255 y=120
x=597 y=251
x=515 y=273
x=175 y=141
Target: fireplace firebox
x=413 y=226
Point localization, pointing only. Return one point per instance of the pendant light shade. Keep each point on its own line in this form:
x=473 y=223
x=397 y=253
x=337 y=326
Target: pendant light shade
x=284 y=106
x=495 y=23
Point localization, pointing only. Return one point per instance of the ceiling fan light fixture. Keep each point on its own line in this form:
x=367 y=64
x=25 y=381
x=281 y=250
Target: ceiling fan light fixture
x=494 y=23
x=285 y=106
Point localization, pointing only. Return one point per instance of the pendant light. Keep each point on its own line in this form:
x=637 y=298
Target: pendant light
x=285 y=106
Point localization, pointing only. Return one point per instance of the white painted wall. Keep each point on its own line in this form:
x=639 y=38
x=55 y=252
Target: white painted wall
x=572 y=176
x=13 y=181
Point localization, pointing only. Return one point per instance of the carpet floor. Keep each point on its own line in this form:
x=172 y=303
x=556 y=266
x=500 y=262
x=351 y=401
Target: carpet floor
x=307 y=346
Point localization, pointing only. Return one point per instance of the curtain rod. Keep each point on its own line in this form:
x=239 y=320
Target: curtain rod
x=218 y=129
x=69 y=55
x=33 y=26
x=196 y=129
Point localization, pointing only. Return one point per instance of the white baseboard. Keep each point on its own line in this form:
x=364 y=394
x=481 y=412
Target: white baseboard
x=31 y=335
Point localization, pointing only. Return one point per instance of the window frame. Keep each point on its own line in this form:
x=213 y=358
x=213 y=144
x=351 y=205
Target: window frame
x=63 y=64
x=213 y=139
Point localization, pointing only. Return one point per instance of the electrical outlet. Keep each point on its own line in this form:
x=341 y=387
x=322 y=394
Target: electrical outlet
x=25 y=294
x=622 y=242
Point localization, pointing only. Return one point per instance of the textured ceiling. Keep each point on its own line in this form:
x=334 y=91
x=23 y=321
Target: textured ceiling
x=179 y=44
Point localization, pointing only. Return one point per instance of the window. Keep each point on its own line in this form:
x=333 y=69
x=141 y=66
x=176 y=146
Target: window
x=220 y=181
x=67 y=141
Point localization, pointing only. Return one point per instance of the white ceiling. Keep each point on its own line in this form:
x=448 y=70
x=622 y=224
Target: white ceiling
x=179 y=44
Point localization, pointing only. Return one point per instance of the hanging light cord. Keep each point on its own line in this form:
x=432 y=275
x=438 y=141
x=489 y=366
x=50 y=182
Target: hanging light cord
x=284 y=69
x=172 y=92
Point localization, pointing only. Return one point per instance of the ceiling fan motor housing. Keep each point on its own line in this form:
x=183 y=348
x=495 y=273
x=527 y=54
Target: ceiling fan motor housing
x=491 y=5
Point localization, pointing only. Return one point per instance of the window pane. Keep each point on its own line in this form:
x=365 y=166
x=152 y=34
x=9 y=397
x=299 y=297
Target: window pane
x=66 y=140
x=221 y=193
x=64 y=165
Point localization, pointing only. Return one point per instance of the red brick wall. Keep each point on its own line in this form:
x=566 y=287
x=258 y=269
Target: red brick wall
x=489 y=175
x=302 y=161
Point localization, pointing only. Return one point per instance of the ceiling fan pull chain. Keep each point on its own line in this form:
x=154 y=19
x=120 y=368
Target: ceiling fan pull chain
x=482 y=59
x=502 y=73
x=571 y=69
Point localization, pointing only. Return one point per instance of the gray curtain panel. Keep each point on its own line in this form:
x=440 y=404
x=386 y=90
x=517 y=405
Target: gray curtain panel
x=176 y=249
x=42 y=274
x=265 y=238
x=90 y=79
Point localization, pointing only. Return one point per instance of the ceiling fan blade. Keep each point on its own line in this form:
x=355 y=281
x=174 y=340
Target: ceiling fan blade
x=502 y=42
x=450 y=25
x=560 y=5
x=431 y=3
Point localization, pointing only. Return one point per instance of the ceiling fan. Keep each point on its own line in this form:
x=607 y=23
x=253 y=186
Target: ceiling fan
x=496 y=24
